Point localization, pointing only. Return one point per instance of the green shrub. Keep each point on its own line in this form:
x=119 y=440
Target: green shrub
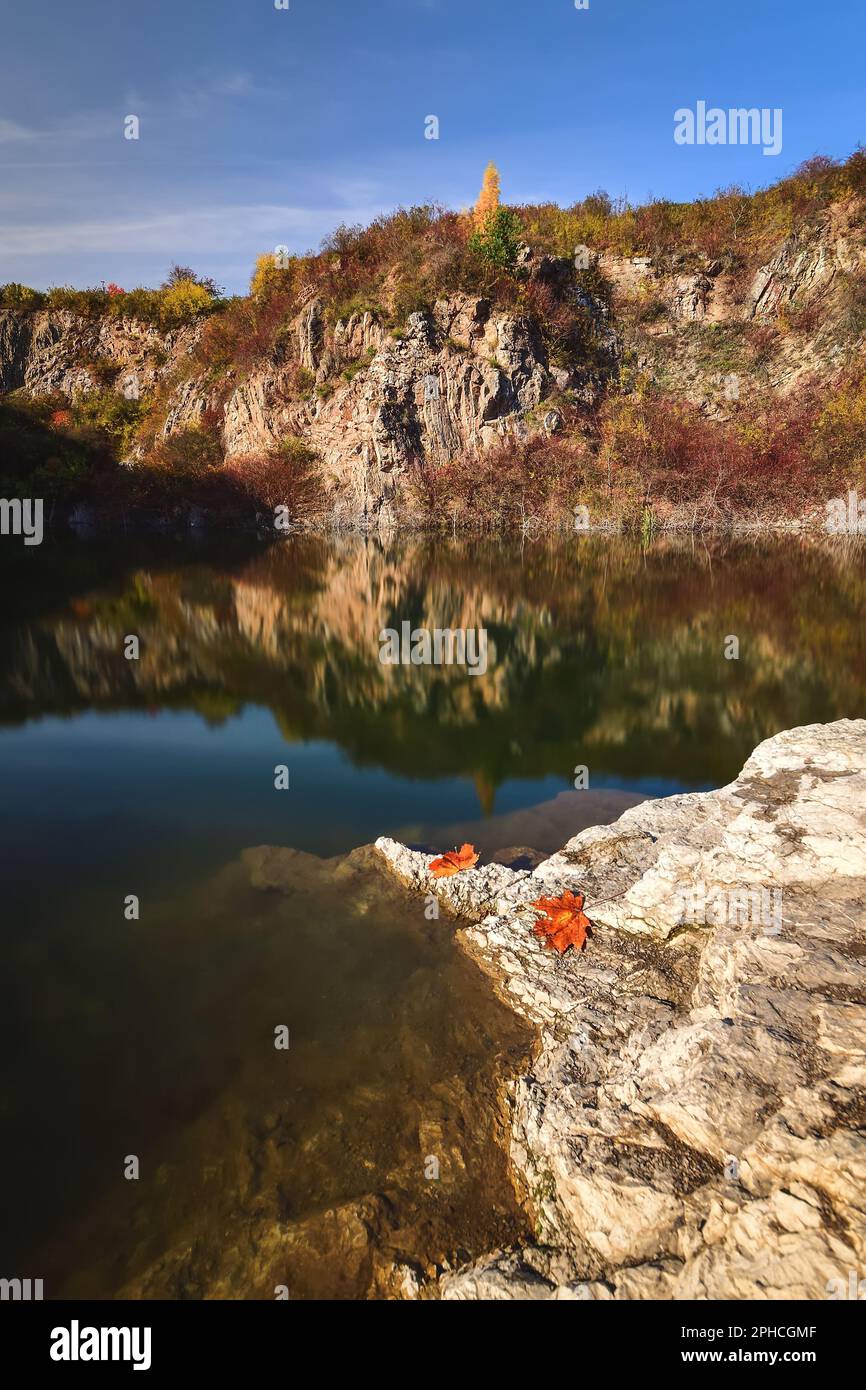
x=182 y=302
x=102 y=369
x=105 y=417
x=359 y=365
x=136 y=304
x=854 y=302
x=410 y=297
x=176 y=303
x=15 y=296
x=189 y=453
x=88 y=303
x=498 y=241
x=651 y=310
x=344 y=309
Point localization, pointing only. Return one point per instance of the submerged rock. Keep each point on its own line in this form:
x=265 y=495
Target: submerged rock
x=364 y=1155
x=694 y=1125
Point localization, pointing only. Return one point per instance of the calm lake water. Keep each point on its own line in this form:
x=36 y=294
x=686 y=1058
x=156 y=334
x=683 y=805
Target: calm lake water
x=310 y=1167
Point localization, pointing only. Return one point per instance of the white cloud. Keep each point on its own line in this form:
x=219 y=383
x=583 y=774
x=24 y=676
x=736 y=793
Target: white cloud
x=213 y=231
x=10 y=132
x=80 y=126
x=185 y=99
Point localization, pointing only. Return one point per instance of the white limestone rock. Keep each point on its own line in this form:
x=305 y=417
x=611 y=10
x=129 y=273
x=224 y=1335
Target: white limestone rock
x=694 y=1125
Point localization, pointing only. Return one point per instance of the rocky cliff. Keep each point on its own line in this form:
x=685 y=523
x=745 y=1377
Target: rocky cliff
x=702 y=330
x=693 y=1124
x=453 y=380
x=46 y=352
x=371 y=401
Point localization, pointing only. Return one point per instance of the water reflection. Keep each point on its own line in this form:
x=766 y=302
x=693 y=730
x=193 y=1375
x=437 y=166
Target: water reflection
x=156 y=777
x=601 y=651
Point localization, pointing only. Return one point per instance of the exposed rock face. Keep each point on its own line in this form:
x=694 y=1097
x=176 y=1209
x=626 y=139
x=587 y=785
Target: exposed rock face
x=695 y=1122
x=804 y=268
x=690 y=296
x=425 y=398
x=454 y=380
x=54 y=350
x=707 y=317
x=372 y=404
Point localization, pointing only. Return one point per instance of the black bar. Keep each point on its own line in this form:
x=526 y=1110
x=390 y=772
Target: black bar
x=247 y=1337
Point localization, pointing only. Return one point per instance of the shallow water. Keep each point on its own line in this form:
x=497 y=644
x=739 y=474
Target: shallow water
x=310 y=1167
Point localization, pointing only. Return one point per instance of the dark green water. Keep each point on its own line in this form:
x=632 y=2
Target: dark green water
x=153 y=777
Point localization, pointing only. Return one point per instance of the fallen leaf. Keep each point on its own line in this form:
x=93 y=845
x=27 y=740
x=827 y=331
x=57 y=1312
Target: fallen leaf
x=562 y=921
x=453 y=862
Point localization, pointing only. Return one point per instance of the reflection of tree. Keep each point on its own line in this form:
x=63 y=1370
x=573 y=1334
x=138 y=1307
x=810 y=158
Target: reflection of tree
x=486 y=792
x=216 y=706
x=603 y=654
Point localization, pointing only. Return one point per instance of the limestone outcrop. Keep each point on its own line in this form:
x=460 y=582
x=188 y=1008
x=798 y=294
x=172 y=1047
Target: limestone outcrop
x=372 y=399
x=54 y=351
x=696 y=325
x=694 y=1124
x=455 y=379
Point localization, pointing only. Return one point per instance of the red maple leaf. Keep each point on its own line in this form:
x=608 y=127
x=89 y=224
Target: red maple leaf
x=562 y=921
x=453 y=862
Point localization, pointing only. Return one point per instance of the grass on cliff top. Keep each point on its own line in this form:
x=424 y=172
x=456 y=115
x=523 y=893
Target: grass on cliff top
x=407 y=259
x=413 y=256
x=183 y=298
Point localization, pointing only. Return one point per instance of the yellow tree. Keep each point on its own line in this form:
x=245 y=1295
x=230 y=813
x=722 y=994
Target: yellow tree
x=488 y=198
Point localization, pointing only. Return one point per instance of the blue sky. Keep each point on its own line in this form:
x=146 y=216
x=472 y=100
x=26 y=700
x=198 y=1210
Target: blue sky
x=261 y=127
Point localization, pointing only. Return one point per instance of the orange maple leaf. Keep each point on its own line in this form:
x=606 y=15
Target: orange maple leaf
x=453 y=862
x=562 y=921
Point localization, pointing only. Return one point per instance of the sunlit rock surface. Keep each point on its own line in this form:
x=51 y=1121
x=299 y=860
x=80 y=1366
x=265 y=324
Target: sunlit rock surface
x=693 y=1125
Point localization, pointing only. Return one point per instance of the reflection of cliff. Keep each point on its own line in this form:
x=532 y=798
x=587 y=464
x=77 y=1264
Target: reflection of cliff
x=603 y=654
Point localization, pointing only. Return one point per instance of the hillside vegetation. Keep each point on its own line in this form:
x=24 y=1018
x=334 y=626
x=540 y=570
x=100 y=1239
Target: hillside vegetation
x=632 y=322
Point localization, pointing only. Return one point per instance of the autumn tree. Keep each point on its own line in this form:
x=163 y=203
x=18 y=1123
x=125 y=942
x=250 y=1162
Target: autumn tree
x=488 y=198
x=497 y=242
x=273 y=271
x=185 y=300
x=183 y=274
x=496 y=235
